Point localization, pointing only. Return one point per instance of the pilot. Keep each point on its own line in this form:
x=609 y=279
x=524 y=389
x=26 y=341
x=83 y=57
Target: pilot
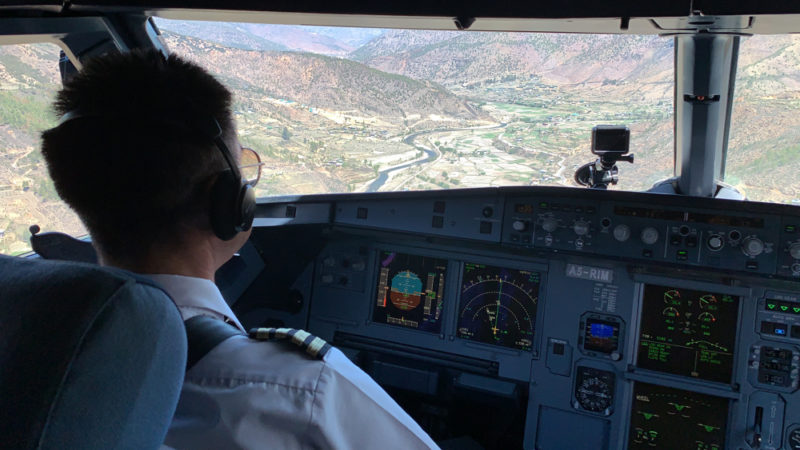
x=146 y=153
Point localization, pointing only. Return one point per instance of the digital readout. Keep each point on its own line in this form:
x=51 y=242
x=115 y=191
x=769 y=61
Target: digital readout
x=688 y=332
x=690 y=217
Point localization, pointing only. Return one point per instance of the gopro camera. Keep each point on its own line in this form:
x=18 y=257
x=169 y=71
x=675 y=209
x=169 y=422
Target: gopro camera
x=610 y=140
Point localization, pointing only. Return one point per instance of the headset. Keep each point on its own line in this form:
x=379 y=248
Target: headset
x=233 y=200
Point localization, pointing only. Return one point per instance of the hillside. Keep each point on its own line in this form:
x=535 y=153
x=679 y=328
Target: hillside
x=323 y=82
x=28 y=81
x=333 y=41
x=451 y=57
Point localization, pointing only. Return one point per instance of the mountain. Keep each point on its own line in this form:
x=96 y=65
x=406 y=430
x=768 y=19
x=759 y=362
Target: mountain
x=234 y=35
x=333 y=41
x=323 y=82
x=29 y=79
x=452 y=57
x=764 y=144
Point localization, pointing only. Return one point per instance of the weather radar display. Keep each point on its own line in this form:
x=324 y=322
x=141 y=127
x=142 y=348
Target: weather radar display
x=498 y=305
x=410 y=291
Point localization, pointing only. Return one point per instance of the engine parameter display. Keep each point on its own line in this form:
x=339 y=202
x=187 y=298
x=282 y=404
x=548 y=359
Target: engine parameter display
x=687 y=332
x=498 y=305
x=410 y=291
x=667 y=418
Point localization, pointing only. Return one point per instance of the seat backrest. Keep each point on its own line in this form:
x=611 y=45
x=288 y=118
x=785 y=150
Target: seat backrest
x=90 y=357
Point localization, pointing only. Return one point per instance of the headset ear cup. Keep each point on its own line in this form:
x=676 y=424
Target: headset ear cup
x=225 y=208
x=247 y=207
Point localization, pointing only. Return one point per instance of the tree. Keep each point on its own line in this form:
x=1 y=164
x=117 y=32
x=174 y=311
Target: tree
x=285 y=134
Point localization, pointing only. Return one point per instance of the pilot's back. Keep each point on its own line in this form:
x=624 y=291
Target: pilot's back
x=247 y=393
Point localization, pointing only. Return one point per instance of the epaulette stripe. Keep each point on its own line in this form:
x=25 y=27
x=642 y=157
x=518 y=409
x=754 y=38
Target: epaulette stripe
x=324 y=350
x=299 y=337
x=313 y=345
x=308 y=340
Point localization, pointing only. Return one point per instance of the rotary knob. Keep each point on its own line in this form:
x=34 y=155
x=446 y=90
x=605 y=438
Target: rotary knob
x=550 y=224
x=752 y=246
x=519 y=225
x=715 y=242
x=580 y=227
x=622 y=232
x=649 y=236
x=794 y=250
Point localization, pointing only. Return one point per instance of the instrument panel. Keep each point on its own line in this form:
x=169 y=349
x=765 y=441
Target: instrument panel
x=630 y=315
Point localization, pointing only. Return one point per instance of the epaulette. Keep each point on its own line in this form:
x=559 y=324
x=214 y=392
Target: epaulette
x=314 y=346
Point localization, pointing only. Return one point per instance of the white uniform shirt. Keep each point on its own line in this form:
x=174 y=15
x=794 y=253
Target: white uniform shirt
x=252 y=394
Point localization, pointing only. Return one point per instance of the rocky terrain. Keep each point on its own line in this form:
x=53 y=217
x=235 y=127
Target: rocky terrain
x=344 y=110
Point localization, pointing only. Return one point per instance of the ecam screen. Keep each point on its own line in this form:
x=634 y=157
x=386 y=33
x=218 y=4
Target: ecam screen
x=688 y=332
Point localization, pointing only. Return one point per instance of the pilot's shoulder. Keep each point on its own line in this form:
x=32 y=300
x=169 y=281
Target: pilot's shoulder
x=287 y=357
x=312 y=345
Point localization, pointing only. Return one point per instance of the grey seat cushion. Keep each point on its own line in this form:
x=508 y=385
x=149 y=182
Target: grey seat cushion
x=89 y=357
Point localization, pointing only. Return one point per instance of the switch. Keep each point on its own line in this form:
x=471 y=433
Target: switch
x=361 y=213
x=438 y=222
x=558 y=348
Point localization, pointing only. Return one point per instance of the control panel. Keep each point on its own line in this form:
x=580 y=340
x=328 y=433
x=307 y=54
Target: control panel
x=739 y=241
x=545 y=311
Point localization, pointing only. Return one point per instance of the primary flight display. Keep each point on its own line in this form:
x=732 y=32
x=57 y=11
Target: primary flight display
x=410 y=291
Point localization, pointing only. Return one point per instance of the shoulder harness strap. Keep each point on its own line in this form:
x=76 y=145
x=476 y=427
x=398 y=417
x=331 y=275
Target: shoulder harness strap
x=203 y=334
x=314 y=346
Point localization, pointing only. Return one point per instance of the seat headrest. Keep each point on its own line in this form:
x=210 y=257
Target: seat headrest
x=90 y=357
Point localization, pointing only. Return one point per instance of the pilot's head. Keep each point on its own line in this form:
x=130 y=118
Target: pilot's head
x=138 y=155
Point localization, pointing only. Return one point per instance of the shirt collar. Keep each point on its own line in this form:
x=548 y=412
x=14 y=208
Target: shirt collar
x=193 y=294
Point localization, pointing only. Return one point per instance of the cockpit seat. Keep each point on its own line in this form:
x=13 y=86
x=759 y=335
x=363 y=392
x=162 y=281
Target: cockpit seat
x=90 y=357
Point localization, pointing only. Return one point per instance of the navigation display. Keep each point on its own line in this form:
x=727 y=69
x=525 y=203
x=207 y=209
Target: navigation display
x=410 y=291
x=687 y=332
x=498 y=305
x=663 y=417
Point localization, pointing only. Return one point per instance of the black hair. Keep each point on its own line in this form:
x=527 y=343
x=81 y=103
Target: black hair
x=136 y=164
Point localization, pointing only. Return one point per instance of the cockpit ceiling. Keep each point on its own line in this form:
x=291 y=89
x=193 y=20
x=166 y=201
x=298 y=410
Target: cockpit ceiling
x=579 y=16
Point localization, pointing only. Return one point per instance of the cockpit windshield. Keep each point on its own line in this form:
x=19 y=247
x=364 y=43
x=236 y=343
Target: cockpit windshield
x=362 y=110
x=336 y=110
x=764 y=147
